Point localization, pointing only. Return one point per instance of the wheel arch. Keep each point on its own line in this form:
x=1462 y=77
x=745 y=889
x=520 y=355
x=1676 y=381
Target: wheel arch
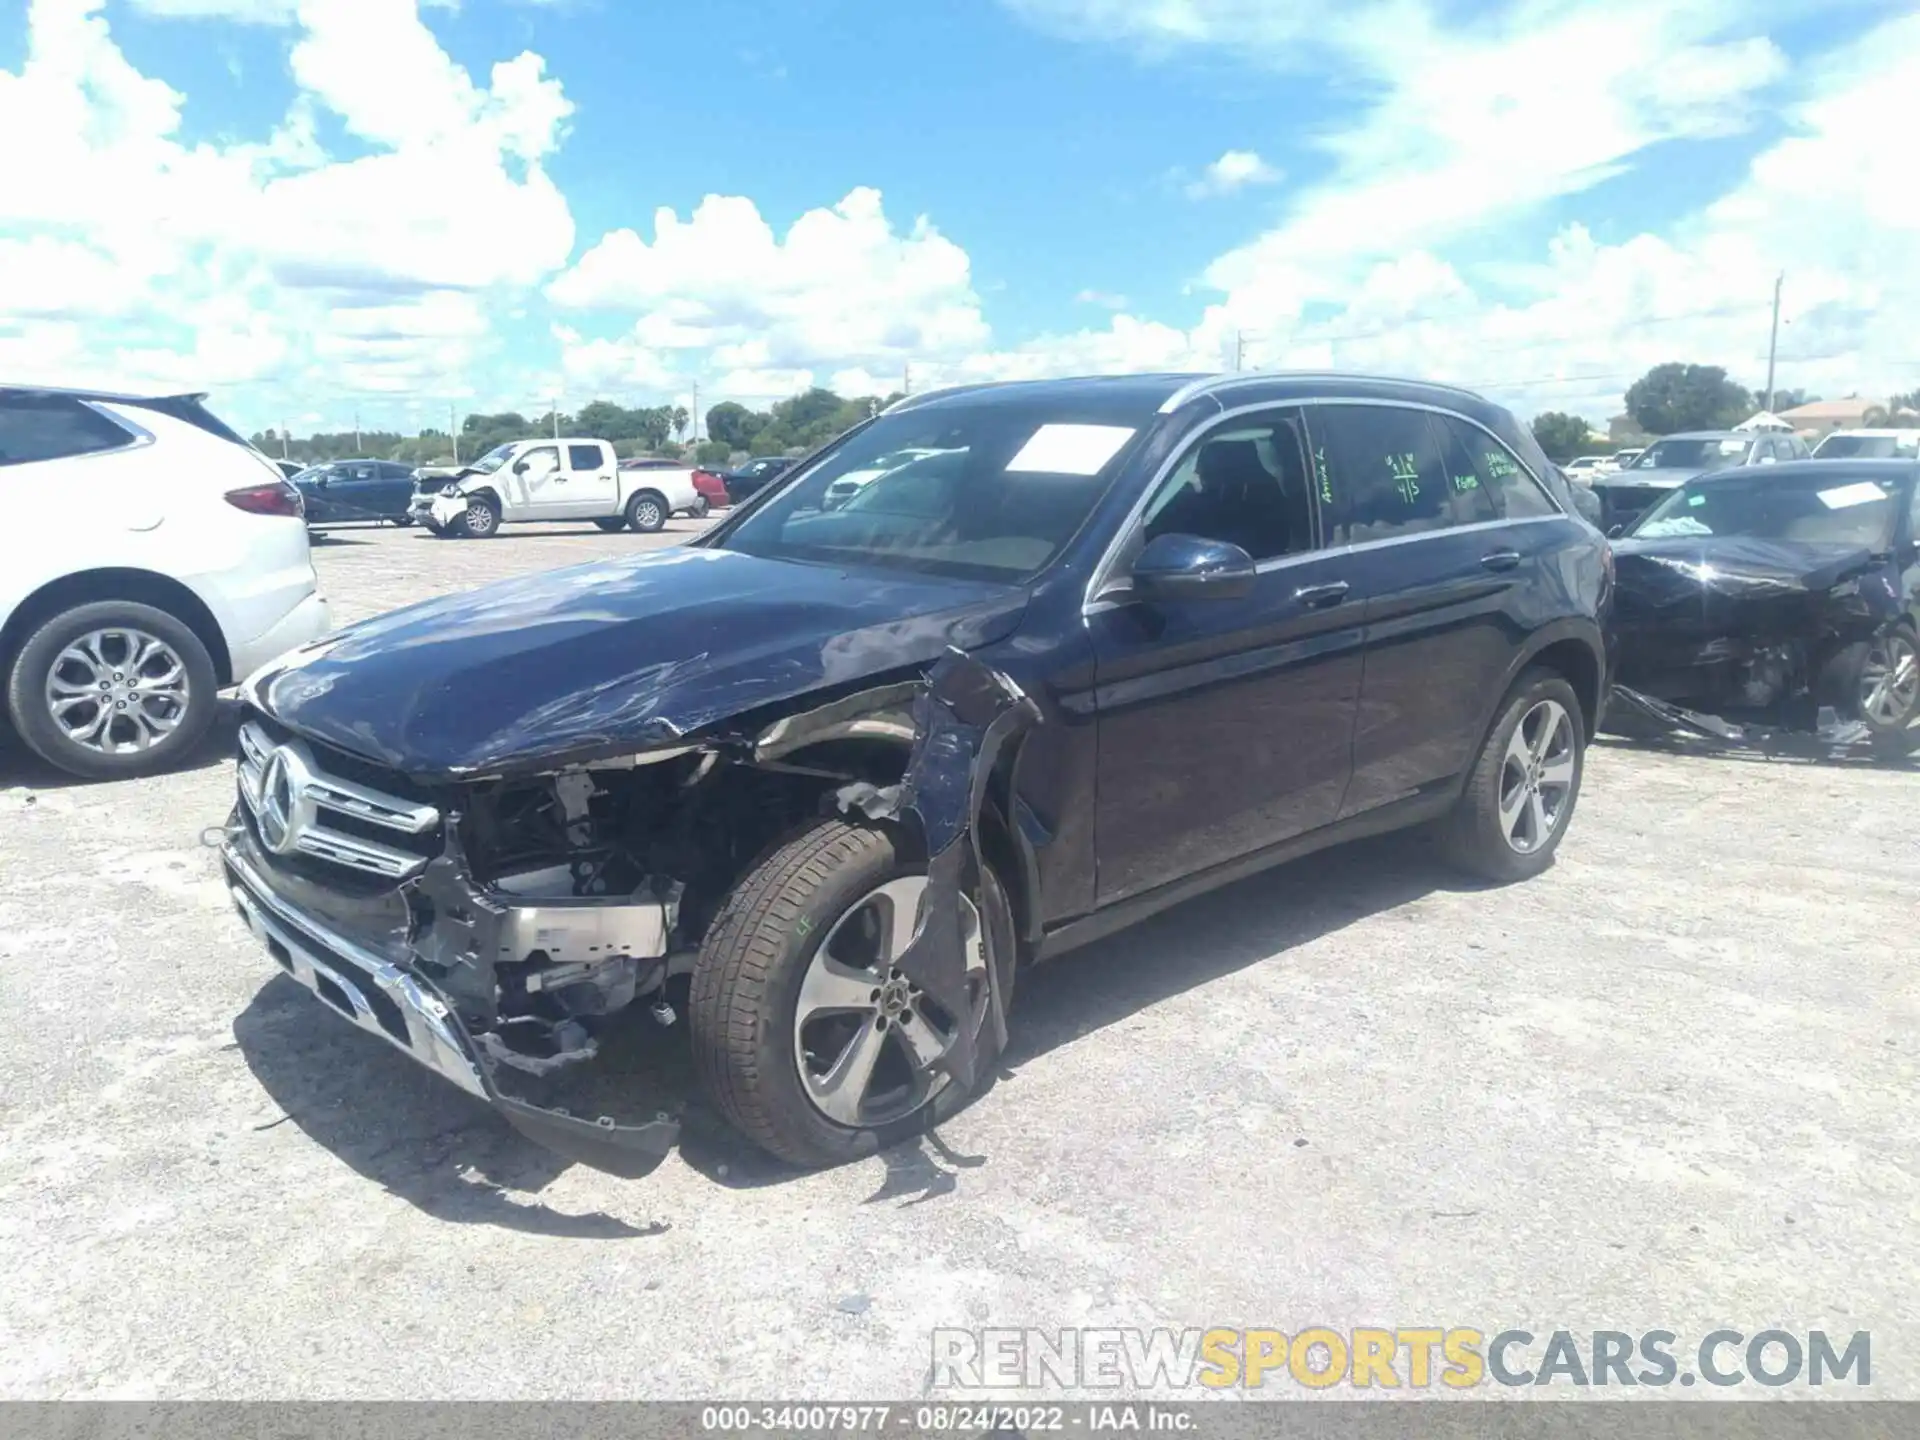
x=1577 y=655
x=141 y=587
x=1002 y=842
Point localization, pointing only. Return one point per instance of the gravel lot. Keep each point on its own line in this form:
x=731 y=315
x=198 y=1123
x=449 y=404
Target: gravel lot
x=1670 y=1084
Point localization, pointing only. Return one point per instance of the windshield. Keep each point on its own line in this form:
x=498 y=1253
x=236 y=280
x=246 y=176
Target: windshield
x=1693 y=455
x=1869 y=447
x=1818 y=508
x=989 y=492
x=492 y=460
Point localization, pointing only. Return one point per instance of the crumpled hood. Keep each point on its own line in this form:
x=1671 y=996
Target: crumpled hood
x=613 y=657
x=1677 y=565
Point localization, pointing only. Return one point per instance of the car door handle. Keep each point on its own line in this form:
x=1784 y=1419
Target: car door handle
x=1319 y=597
x=1501 y=560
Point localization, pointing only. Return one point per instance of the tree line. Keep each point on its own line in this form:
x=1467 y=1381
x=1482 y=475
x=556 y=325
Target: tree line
x=790 y=427
x=1674 y=397
x=1668 y=398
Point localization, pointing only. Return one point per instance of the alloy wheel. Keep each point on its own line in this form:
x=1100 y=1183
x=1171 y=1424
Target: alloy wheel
x=1890 y=681
x=865 y=1037
x=1536 y=778
x=648 y=514
x=480 y=519
x=118 y=691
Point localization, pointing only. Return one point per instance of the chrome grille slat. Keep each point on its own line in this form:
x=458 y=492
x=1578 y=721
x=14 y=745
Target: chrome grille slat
x=292 y=824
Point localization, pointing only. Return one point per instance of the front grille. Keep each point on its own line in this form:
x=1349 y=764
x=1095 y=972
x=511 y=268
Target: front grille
x=301 y=805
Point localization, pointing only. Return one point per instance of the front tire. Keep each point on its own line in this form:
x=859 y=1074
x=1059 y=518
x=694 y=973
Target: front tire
x=647 y=512
x=805 y=1037
x=1878 y=683
x=481 y=521
x=1520 y=795
x=613 y=525
x=112 y=689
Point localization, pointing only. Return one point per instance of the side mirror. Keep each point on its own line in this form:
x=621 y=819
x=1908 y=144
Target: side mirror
x=1184 y=567
x=520 y=467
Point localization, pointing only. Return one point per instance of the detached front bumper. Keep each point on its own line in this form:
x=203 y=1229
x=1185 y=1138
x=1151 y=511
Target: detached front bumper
x=408 y=1012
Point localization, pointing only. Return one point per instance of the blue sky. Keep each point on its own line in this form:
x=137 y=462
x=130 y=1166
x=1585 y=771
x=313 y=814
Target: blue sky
x=317 y=208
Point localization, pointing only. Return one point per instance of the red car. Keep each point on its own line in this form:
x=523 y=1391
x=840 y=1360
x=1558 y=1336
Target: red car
x=712 y=488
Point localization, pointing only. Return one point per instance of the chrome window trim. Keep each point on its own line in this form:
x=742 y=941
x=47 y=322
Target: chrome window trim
x=1228 y=380
x=138 y=436
x=1098 y=597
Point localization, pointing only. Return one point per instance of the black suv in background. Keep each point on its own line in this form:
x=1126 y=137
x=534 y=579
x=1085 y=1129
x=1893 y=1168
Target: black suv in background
x=339 y=491
x=826 y=777
x=753 y=477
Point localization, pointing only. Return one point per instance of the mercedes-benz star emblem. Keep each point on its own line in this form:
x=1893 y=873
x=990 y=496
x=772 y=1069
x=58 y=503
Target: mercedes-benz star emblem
x=284 y=807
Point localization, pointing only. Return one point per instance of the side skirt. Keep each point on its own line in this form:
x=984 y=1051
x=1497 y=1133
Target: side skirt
x=1118 y=916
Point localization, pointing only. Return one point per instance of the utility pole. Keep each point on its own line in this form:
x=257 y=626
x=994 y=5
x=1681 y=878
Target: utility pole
x=556 y=417
x=1773 y=345
x=1239 y=350
x=356 y=432
x=454 y=431
x=906 y=378
x=696 y=412
x=283 y=441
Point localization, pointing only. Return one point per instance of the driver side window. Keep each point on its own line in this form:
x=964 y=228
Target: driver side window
x=539 y=463
x=1245 y=484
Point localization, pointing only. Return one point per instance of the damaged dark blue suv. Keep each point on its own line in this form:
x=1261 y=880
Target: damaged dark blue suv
x=1056 y=656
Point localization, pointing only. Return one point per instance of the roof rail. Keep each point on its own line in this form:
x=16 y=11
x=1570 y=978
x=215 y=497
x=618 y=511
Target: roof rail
x=1209 y=384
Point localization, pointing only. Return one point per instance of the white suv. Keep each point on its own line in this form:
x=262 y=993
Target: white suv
x=149 y=558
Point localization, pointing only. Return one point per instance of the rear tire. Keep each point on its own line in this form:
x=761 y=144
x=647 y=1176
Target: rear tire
x=745 y=1012
x=647 y=512
x=108 y=648
x=613 y=525
x=1520 y=795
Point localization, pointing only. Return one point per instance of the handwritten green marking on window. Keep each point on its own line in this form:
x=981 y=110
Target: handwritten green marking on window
x=1406 y=476
x=1320 y=472
x=1499 y=466
x=1464 y=483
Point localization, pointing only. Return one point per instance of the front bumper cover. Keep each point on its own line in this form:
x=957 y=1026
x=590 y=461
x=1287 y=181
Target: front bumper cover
x=411 y=1014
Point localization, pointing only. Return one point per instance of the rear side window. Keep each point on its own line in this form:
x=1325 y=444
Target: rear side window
x=1510 y=493
x=583 y=457
x=54 y=427
x=1384 y=472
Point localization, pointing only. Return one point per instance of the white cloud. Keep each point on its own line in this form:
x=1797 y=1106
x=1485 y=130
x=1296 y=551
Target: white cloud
x=258 y=259
x=843 y=287
x=611 y=367
x=1235 y=170
x=1105 y=299
x=1469 y=130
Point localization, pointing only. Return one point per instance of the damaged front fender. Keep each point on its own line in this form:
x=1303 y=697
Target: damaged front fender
x=964 y=718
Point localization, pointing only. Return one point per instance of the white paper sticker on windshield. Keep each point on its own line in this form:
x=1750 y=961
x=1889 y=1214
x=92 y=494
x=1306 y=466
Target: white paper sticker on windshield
x=1733 y=447
x=1863 y=493
x=1069 y=449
